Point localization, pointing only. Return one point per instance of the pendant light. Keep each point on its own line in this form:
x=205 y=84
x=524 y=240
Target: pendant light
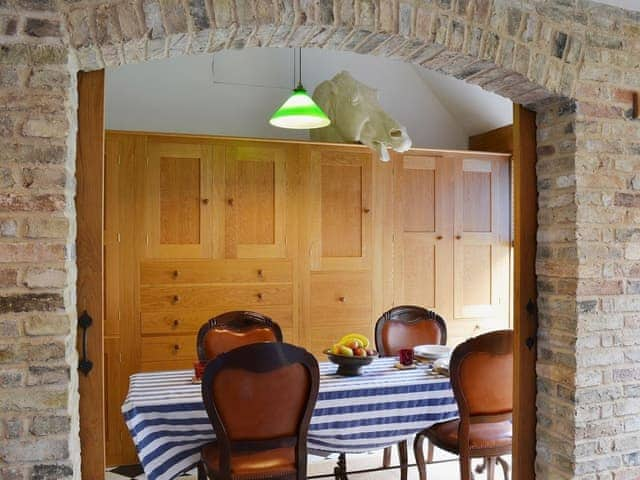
x=299 y=111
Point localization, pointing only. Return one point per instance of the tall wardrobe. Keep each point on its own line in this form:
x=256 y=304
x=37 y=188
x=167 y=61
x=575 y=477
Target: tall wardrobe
x=322 y=238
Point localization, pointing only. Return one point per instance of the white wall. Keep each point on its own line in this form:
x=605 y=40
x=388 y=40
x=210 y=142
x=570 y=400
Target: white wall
x=179 y=95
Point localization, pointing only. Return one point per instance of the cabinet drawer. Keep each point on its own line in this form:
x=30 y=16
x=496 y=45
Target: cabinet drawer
x=215 y=271
x=183 y=322
x=181 y=298
x=164 y=365
x=460 y=330
x=340 y=289
x=169 y=348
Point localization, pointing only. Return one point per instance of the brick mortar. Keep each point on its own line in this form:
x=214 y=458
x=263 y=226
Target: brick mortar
x=533 y=52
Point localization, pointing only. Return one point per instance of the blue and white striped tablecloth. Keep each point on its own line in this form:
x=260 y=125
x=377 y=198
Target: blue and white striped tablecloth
x=168 y=422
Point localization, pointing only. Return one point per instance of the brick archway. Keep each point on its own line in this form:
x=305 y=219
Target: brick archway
x=574 y=62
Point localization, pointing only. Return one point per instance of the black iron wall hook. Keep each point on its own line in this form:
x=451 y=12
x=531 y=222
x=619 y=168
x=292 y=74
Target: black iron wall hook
x=84 y=321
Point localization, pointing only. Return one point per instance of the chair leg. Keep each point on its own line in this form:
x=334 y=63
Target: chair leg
x=386 y=457
x=202 y=471
x=430 y=448
x=404 y=460
x=419 y=454
x=465 y=468
x=491 y=468
x=481 y=468
x=505 y=467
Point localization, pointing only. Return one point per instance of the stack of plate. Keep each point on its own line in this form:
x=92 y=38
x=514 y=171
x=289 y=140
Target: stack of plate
x=431 y=353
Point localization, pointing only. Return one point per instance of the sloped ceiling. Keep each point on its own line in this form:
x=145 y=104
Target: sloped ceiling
x=476 y=110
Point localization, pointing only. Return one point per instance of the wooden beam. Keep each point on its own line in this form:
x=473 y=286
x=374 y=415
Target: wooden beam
x=525 y=293
x=89 y=246
x=499 y=140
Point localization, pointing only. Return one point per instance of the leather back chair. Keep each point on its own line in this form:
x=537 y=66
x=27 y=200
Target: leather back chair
x=407 y=326
x=259 y=398
x=481 y=371
x=234 y=329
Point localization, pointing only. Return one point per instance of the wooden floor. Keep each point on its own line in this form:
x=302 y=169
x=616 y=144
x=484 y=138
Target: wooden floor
x=448 y=470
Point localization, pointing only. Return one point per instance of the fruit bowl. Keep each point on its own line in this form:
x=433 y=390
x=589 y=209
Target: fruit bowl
x=349 y=366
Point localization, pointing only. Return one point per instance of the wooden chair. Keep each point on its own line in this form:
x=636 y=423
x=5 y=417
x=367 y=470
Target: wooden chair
x=234 y=329
x=401 y=327
x=481 y=372
x=259 y=399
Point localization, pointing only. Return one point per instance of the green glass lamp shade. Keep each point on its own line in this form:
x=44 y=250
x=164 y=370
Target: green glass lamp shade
x=300 y=112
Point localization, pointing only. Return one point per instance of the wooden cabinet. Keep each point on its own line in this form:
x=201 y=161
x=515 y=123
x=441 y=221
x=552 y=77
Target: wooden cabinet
x=452 y=239
x=482 y=247
x=178 y=191
x=423 y=237
x=336 y=274
x=322 y=238
x=339 y=202
x=255 y=199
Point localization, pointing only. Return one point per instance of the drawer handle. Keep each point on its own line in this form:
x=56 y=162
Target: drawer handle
x=366 y=210
x=176 y=299
x=176 y=347
x=176 y=323
x=439 y=237
x=176 y=273
x=259 y=295
x=230 y=202
x=342 y=299
x=205 y=201
x=260 y=273
x=458 y=237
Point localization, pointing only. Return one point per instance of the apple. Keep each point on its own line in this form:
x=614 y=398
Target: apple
x=336 y=349
x=360 y=352
x=370 y=352
x=354 y=344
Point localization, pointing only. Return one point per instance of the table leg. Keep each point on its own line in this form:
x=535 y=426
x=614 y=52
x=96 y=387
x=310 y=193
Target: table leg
x=340 y=471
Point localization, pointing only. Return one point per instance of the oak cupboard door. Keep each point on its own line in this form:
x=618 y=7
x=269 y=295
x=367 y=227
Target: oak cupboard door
x=339 y=209
x=177 y=200
x=255 y=200
x=423 y=246
x=482 y=243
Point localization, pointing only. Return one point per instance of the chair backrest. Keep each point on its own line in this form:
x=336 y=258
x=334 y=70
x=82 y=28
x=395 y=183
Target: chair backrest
x=233 y=329
x=481 y=371
x=260 y=397
x=407 y=326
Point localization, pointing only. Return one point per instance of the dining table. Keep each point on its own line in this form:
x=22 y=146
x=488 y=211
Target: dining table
x=168 y=423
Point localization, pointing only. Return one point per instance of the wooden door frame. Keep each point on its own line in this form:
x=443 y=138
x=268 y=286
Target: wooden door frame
x=90 y=221
x=90 y=165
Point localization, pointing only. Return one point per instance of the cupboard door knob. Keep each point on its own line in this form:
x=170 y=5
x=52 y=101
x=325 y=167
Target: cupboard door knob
x=176 y=273
x=342 y=299
x=176 y=347
x=230 y=202
x=259 y=295
x=205 y=201
x=260 y=273
x=366 y=210
x=176 y=322
x=439 y=237
x=176 y=298
x=458 y=237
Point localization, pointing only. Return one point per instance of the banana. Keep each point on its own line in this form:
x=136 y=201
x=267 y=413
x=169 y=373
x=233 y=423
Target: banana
x=355 y=336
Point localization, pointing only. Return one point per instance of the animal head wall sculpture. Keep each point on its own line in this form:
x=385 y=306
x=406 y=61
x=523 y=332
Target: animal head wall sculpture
x=356 y=117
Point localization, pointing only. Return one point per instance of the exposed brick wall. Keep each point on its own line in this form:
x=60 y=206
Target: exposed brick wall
x=38 y=393
x=572 y=61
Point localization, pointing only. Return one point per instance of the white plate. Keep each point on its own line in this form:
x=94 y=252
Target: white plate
x=432 y=352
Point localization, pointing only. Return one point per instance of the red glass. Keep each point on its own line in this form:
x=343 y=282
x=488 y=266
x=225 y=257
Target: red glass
x=198 y=368
x=406 y=356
